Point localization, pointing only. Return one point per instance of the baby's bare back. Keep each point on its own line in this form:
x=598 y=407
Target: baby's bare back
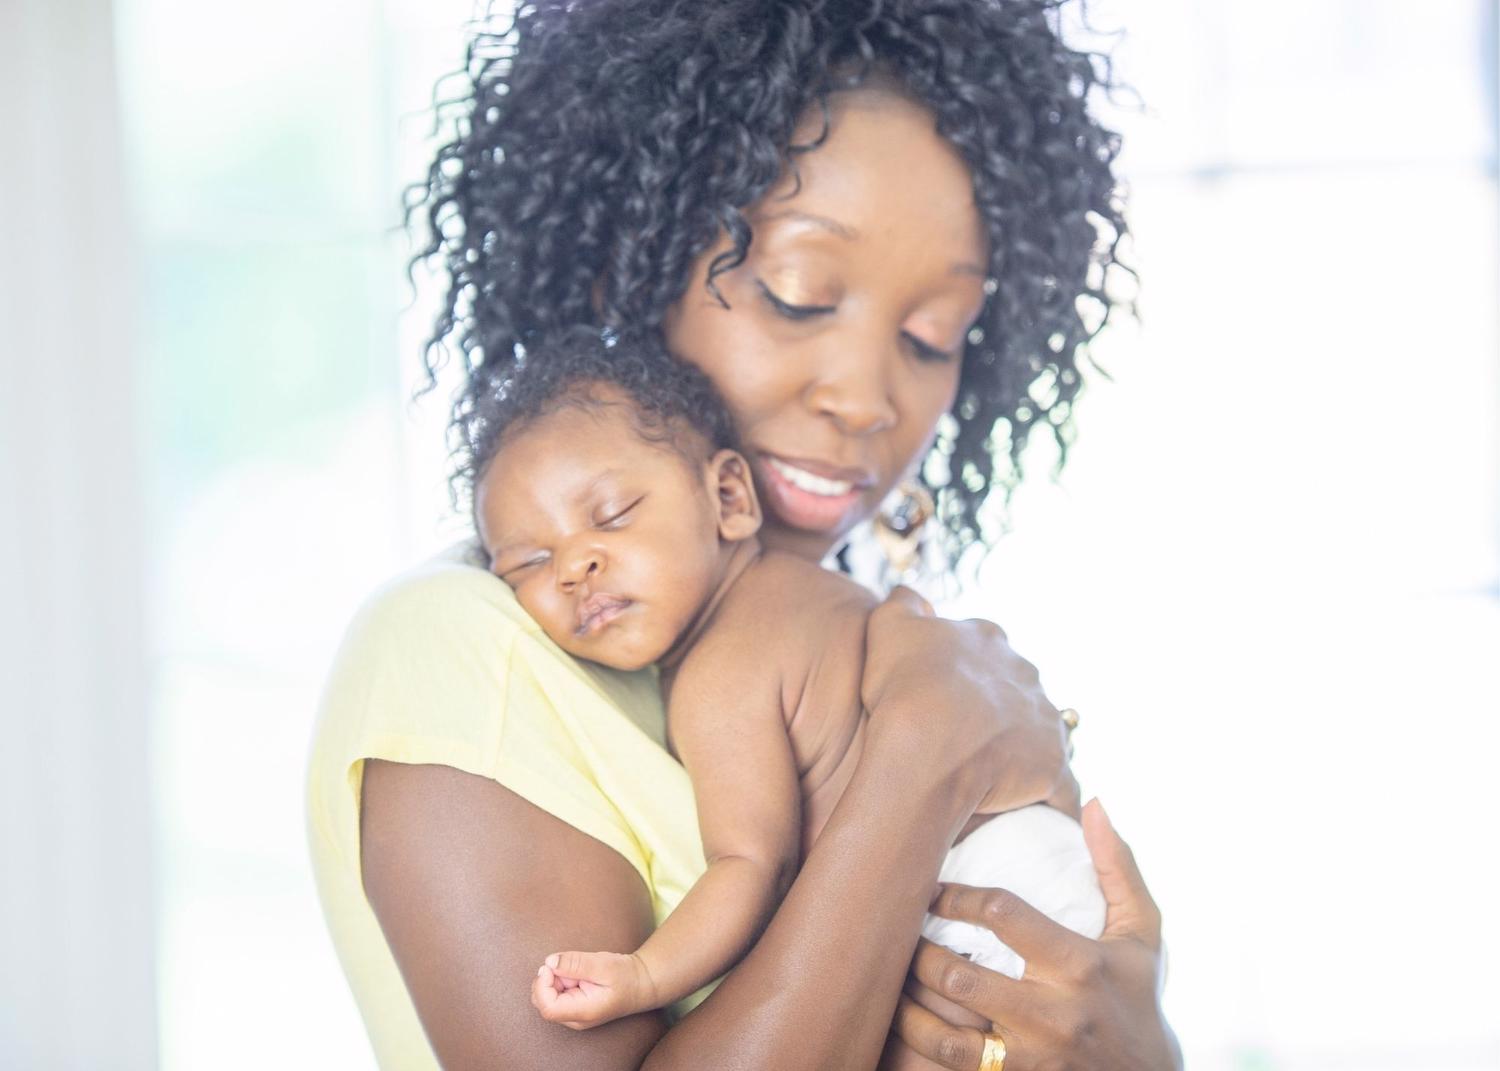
x=806 y=627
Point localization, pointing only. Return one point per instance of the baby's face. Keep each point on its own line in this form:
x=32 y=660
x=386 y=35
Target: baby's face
x=611 y=543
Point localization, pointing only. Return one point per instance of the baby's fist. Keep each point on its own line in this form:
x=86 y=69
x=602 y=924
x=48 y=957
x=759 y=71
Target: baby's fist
x=586 y=989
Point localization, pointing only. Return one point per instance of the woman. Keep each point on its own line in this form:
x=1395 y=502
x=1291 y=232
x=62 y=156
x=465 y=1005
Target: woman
x=856 y=217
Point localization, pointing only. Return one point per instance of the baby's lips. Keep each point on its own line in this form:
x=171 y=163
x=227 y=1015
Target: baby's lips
x=596 y=604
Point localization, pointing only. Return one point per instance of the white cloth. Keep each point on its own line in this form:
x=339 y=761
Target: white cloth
x=1039 y=854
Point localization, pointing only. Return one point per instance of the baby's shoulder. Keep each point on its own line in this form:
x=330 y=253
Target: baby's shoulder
x=800 y=589
x=788 y=611
x=782 y=618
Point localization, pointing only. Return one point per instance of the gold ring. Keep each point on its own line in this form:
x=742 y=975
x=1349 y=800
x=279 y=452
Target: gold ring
x=1069 y=718
x=993 y=1056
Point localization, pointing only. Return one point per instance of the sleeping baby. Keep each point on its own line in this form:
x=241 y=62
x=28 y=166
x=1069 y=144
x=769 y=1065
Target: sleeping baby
x=610 y=496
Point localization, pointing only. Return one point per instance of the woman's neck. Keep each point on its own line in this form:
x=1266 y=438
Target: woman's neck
x=809 y=546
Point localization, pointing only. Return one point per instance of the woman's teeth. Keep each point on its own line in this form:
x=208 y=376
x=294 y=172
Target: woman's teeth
x=806 y=481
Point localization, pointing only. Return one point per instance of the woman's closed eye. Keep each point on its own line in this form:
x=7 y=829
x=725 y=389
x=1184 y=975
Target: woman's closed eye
x=787 y=309
x=926 y=351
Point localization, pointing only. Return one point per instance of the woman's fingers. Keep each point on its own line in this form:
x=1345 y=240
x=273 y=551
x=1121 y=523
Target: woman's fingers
x=1132 y=912
x=956 y=1047
x=965 y=983
x=1046 y=946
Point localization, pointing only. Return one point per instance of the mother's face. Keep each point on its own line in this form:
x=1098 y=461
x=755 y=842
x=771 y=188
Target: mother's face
x=841 y=345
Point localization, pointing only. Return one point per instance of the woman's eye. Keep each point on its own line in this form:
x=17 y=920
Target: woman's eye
x=926 y=351
x=789 y=311
x=617 y=518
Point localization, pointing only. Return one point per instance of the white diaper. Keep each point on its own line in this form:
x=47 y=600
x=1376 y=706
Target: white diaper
x=1037 y=853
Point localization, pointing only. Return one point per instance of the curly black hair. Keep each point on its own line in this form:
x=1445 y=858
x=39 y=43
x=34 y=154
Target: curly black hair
x=673 y=403
x=603 y=145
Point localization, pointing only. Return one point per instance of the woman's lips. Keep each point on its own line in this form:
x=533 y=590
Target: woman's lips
x=811 y=495
x=597 y=611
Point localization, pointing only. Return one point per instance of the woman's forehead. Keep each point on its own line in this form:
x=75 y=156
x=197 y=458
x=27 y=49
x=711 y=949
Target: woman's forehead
x=882 y=170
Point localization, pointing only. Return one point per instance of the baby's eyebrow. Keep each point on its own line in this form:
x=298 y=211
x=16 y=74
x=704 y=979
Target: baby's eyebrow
x=589 y=489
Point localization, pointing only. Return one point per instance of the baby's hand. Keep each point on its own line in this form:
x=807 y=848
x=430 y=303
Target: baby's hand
x=584 y=989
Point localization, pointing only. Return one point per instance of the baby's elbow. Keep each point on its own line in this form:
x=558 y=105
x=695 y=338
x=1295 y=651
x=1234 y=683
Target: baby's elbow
x=772 y=872
x=784 y=873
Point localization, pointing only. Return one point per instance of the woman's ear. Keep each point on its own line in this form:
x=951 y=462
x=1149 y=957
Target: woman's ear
x=730 y=482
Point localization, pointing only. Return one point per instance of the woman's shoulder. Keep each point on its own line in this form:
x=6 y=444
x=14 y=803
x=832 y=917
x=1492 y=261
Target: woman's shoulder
x=427 y=666
x=448 y=599
x=446 y=652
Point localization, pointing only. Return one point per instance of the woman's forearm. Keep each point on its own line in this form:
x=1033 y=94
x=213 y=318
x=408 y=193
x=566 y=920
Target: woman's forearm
x=818 y=989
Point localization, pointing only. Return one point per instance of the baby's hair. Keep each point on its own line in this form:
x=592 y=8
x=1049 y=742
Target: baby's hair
x=673 y=404
x=602 y=146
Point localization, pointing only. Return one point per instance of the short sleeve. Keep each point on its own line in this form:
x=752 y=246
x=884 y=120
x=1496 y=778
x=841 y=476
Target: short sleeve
x=444 y=667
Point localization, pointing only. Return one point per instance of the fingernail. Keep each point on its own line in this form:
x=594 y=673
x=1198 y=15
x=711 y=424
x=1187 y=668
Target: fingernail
x=541 y=971
x=552 y=960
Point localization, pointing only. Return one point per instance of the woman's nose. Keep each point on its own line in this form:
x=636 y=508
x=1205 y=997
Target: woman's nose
x=854 y=392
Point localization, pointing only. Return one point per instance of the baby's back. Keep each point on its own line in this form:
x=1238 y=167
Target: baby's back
x=807 y=626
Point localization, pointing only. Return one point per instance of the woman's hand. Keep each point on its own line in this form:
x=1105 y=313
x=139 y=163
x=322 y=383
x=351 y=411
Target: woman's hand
x=1081 y=1005
x=957 y=688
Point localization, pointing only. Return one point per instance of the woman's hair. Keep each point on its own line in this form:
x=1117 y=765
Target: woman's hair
x=603 y=145
x=672 y=403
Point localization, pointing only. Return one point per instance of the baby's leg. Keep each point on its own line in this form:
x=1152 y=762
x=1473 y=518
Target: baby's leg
x=585 y=989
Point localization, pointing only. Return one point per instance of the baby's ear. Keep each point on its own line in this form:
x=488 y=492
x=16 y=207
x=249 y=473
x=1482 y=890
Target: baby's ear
x=734 y=490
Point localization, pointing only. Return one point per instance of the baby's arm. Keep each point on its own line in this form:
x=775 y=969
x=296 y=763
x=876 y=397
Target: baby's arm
x=730 y=734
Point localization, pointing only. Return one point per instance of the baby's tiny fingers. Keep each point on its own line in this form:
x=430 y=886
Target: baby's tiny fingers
x=572 y=965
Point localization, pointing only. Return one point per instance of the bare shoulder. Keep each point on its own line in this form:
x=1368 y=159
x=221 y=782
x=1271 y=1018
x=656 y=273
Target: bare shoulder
x=798 y=590
x=782 y=617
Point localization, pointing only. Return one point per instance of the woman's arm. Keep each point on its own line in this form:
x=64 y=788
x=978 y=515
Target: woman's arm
x=473 y=887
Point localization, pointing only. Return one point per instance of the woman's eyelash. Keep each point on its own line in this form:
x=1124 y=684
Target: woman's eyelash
x=791 y=312
x=926 y=351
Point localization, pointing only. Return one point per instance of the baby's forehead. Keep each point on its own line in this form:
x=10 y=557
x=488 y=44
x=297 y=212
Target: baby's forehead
x=594 y=413
x=585 y=441
x=578 y=424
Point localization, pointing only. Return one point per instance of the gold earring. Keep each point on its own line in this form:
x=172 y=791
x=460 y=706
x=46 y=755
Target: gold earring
x=900 y=526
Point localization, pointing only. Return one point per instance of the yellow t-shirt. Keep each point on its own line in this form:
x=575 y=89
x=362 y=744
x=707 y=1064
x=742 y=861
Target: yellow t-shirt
x=443 y=666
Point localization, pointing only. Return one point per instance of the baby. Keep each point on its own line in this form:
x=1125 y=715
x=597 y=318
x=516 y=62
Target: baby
x=609 y=495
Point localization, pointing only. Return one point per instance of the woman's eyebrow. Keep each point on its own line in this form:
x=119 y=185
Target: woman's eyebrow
x=851 y=234
x=832 y=226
